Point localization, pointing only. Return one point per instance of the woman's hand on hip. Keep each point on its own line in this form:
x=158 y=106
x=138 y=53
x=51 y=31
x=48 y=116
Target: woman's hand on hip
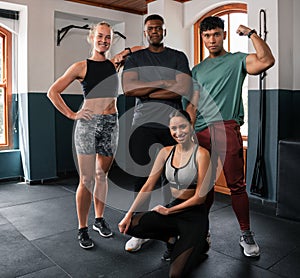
x=84 y=114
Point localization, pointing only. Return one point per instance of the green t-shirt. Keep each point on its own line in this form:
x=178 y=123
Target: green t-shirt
x=219 y=81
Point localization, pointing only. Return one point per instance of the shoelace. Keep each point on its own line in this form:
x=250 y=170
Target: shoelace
x=104 y=224
x=248 y=238
x=85 y=235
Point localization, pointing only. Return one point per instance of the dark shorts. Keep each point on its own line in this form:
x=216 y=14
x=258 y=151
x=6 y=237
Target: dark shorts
x=98 y=135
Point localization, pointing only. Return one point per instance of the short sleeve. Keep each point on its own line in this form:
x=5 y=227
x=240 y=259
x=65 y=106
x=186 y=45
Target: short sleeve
x=196 y=85
x=130 y=62
x=183 y=64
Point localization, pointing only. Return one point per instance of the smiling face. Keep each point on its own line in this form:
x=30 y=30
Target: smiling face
x=101 y=38
x=180 y=129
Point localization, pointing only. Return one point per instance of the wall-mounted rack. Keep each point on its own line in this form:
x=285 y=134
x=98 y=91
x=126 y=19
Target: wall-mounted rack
x=63 y=31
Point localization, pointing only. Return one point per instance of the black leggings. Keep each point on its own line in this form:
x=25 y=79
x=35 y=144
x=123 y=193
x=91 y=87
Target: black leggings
x=141 y=144
x=190 y=226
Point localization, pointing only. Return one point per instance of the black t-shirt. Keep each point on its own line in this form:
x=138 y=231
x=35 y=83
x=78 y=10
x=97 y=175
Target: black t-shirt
x=152 y=66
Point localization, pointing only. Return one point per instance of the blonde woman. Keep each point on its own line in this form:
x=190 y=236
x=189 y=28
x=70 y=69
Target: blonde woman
x=96 y=131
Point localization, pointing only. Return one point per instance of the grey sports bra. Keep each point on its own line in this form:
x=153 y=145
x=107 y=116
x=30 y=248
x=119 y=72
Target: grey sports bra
x=184 y=177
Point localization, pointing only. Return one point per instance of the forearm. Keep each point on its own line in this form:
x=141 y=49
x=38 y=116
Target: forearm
x=142 y=196
x=119 y=59
x=263 y=58
x=164 y=94
x=181 y=86
x=141 y=89
x=194 y=201
x=60 y=105
x=171 y=92
x=192 y=110
x=192 y=106
x=140 y=199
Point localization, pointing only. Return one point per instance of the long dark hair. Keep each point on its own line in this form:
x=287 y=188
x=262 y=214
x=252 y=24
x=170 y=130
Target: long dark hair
x=181 y=113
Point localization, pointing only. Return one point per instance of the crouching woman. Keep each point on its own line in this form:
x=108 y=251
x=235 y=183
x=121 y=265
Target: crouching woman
x=183 y=223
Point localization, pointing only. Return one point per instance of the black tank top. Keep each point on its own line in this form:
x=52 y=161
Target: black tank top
x=101 y=79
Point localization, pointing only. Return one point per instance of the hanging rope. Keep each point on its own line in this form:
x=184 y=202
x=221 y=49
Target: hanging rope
x=259 y=178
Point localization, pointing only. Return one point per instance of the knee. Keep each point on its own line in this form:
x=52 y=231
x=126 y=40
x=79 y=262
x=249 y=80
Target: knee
x=101 y=176
x=86 y=182
x=237 y=189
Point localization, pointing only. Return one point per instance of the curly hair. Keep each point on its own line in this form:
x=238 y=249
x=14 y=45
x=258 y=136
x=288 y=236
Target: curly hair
x=211 y=22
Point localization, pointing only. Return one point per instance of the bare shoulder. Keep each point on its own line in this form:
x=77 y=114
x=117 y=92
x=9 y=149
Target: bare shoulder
x=77 y=70
x=202 y=153
x=164 y=152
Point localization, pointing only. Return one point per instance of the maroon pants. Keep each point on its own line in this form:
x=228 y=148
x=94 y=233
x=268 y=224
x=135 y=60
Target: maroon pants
x=224 y=141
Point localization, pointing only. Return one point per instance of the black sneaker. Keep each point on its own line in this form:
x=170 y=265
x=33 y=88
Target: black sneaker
x=84 y=240
x=167 y=255
x=102 y=227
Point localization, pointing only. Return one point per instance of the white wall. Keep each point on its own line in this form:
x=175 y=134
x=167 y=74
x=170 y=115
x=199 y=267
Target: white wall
x=296 y=43
x=40 y=24
x=172 y=12
x=285 y=44
x=39 y=16
x=271 y=9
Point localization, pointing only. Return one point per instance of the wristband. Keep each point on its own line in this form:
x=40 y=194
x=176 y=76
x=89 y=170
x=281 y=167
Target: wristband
x=128 y=48
x=251 y=33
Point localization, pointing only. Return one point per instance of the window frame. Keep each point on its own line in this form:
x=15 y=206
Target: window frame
x=219 y=11
x=7 y=87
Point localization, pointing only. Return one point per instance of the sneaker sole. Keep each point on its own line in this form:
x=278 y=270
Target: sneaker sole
x=136 y=249
x=86 y=247
x=251 y=255
x=133 y=250
x=99 y=231
x=248 y=254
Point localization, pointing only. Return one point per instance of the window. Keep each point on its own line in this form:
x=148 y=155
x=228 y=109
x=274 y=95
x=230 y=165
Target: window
x=233 y=15
x=5 y=89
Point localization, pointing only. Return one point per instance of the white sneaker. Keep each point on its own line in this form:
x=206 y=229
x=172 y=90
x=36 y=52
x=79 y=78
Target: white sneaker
x=249 y=245
x=134 y=244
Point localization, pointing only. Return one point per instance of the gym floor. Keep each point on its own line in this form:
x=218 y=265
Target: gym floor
x=38 y=228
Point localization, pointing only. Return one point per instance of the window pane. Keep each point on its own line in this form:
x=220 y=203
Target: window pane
x=238 y=43
x=2 y=118
x=225 y=18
